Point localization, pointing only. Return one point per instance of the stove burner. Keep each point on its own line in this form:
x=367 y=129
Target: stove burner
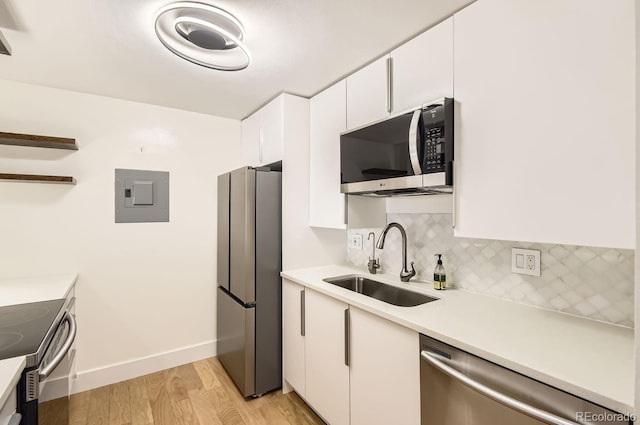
x=24 y=329
x=19 y=317
x=9 y=339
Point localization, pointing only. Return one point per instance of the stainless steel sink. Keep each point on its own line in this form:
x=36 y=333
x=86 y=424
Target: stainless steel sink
x=380 y=291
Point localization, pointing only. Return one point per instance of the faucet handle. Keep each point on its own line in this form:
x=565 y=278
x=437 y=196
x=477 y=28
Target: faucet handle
x=406 y=275
x=373 y=265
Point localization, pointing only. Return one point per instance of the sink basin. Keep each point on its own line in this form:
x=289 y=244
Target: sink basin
x=380 y=291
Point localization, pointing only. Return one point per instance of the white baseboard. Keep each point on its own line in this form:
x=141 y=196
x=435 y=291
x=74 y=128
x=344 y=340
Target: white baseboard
x=99 y=377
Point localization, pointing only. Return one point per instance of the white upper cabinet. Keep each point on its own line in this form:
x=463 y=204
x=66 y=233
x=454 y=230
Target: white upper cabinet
x=328 y=208
x=367 y=94
x=251 y=139
x=263 y=134
x=328 y=119
x=272 y=131
x=422 y=68
x=545 y=116
x=419 y=71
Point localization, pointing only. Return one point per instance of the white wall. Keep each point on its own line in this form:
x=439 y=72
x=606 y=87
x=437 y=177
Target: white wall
x=144 y=289
x=303 y=246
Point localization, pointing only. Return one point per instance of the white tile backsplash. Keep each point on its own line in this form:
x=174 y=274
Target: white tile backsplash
x=593 y=282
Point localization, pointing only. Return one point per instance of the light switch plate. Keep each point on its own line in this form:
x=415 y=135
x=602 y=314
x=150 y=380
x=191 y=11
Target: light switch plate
x=525 y=261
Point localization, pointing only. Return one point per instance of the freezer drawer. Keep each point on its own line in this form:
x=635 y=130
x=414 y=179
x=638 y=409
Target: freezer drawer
x=236 y=341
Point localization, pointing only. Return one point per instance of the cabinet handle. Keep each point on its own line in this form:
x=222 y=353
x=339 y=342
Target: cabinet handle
x=454 y=194
x=260 y=144
x=302 y=309
x=389 y=83
x=347 y=331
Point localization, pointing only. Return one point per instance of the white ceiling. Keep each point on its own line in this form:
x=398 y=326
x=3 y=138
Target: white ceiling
x=109 y=48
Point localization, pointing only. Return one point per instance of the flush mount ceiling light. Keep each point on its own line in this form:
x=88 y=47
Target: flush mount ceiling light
x=203 y=34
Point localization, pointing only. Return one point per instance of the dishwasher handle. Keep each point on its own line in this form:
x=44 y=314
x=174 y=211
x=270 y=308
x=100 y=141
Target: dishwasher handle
x=493 y=394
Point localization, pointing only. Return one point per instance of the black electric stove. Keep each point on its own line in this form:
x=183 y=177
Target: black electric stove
x=43 y=332
x=26 y=329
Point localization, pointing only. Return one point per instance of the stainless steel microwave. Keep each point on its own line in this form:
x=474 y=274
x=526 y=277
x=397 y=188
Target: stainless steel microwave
x=407 y=154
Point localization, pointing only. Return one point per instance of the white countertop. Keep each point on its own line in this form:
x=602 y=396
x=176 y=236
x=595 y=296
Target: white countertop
x=27 y=290
x=21 y=290
x=10 y=370
x=590 y=359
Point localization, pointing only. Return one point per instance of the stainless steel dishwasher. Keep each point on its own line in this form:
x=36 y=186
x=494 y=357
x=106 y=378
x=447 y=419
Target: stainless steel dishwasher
x=458 y=388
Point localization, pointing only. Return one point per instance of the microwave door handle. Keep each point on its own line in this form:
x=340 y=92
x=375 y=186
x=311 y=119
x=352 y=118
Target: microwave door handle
x=60 y=355
x=494 y=394
x=414 y=139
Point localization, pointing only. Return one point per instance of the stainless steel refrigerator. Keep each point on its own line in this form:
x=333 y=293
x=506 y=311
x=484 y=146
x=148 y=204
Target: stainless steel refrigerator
x=249 y=306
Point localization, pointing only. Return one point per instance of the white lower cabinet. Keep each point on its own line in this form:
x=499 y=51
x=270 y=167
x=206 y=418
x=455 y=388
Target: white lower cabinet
x=327 y=383
x=293 y=350
x=350 y=366
x=384 y=371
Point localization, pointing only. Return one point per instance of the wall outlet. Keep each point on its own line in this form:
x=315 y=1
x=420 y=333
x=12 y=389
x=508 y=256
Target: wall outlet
x=525 y=261
x=355 y=242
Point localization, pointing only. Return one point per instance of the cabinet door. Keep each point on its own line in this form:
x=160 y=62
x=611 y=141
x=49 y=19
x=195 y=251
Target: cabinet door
x=251 y=139
x=327 y=373
x=385 y=371
x=328 y=120
x=293 y=351
x=423 y=68
x=546 y=115
x=271 y=145
x=367 y=94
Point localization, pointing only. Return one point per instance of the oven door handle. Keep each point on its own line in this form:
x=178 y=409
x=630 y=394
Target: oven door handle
x=60 y=355
x=493 y=394
x=414 y=140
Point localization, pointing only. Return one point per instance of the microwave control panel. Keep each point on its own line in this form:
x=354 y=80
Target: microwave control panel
x=433 y=150
x=437 y=139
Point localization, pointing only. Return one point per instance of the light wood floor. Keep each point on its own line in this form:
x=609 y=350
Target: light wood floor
x=200 y=393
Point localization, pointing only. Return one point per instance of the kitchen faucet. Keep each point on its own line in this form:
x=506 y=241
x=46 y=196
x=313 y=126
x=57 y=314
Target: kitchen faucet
x=405 y=274
x=373 y=263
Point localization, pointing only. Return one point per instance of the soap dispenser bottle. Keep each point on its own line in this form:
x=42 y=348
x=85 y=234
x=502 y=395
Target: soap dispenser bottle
x=439 y=275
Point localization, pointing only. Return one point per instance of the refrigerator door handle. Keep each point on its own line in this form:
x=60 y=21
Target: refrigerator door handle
x=302 y=313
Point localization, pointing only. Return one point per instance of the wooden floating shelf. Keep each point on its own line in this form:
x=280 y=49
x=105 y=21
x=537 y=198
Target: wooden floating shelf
x=38 y=178
x=37 y=141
